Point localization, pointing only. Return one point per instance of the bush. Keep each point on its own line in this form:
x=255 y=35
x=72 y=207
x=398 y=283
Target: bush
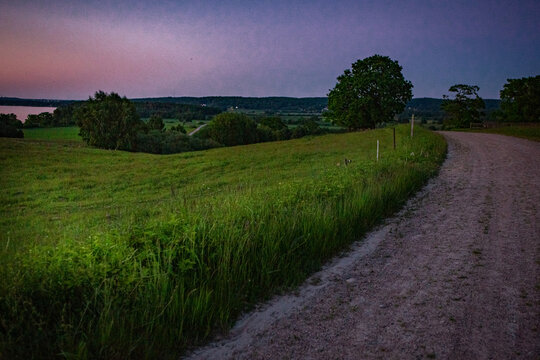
x=283 y=134
x=265 y=134
x=62 y=116
x=232 y=129
x=178 y=128
x=298 y=132
x=155 y=123
x=10 y=126
x=273 y=123
x=170 y=142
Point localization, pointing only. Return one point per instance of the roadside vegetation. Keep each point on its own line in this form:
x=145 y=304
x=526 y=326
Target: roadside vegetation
x=108 y=254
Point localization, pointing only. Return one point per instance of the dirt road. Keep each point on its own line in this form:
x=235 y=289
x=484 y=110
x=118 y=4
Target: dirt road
x=455 y=275
x=197 y=130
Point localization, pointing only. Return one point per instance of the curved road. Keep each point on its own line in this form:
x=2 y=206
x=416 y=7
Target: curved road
x=455 y=275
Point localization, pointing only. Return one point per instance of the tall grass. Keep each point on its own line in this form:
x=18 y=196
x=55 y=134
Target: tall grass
x=152 y=288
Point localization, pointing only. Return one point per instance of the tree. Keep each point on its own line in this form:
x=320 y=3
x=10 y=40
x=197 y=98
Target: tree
x=520 y=99
x=372 y=92
x=156 y=123
x=108 y=121
x=464 y=108
x=232 y=129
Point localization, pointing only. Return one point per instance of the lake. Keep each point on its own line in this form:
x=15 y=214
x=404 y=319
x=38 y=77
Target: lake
x=22 y=112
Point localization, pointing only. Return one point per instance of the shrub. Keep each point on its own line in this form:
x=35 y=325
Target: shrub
x=10 y=126
x=170 y=142
x=178 y=128
x=264 y=134
x=156 y=123
x=232 y=129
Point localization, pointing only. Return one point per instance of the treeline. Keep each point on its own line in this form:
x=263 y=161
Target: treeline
x=13 y=101
x=64 y=114
x=182 y=112
x=203 y=108
x=271 y=104
x=60 y=117
x=225 y=129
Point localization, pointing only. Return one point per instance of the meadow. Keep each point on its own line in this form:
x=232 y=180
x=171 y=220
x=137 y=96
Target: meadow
x=110 y=254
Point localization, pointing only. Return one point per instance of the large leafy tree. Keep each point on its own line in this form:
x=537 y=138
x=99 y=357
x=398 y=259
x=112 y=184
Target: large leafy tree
x=464 y=108
x=521 y=99
x=371 y=92
x=108 y=121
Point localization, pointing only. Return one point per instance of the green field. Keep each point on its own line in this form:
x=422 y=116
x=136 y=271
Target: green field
x=110 y=254
x=531 y=132
x=58 y=133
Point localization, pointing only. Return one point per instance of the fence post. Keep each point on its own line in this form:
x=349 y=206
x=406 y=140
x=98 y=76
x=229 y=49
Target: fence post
x=377 y=150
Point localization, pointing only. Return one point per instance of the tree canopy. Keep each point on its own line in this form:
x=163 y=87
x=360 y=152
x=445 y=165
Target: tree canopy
x=466 y=107
x=108 y=121
x=521 y=99
x=373 y=91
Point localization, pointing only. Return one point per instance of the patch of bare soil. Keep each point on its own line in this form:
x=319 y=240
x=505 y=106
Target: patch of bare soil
x=455 y=275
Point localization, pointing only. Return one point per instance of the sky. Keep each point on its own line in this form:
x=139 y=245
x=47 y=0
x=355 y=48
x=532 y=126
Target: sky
x=70 y=49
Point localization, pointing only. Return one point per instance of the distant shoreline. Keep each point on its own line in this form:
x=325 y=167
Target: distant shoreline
x=22 y=112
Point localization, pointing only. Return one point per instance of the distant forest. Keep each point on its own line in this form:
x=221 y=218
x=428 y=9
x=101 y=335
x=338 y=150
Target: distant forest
x=169 y=110
x=188 y=108
x=13 y=101
x=283 y=104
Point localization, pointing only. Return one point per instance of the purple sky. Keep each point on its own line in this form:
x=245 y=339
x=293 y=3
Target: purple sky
x=70 y=49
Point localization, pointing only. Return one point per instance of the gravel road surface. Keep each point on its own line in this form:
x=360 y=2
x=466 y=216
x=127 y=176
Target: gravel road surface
x=454 y=275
